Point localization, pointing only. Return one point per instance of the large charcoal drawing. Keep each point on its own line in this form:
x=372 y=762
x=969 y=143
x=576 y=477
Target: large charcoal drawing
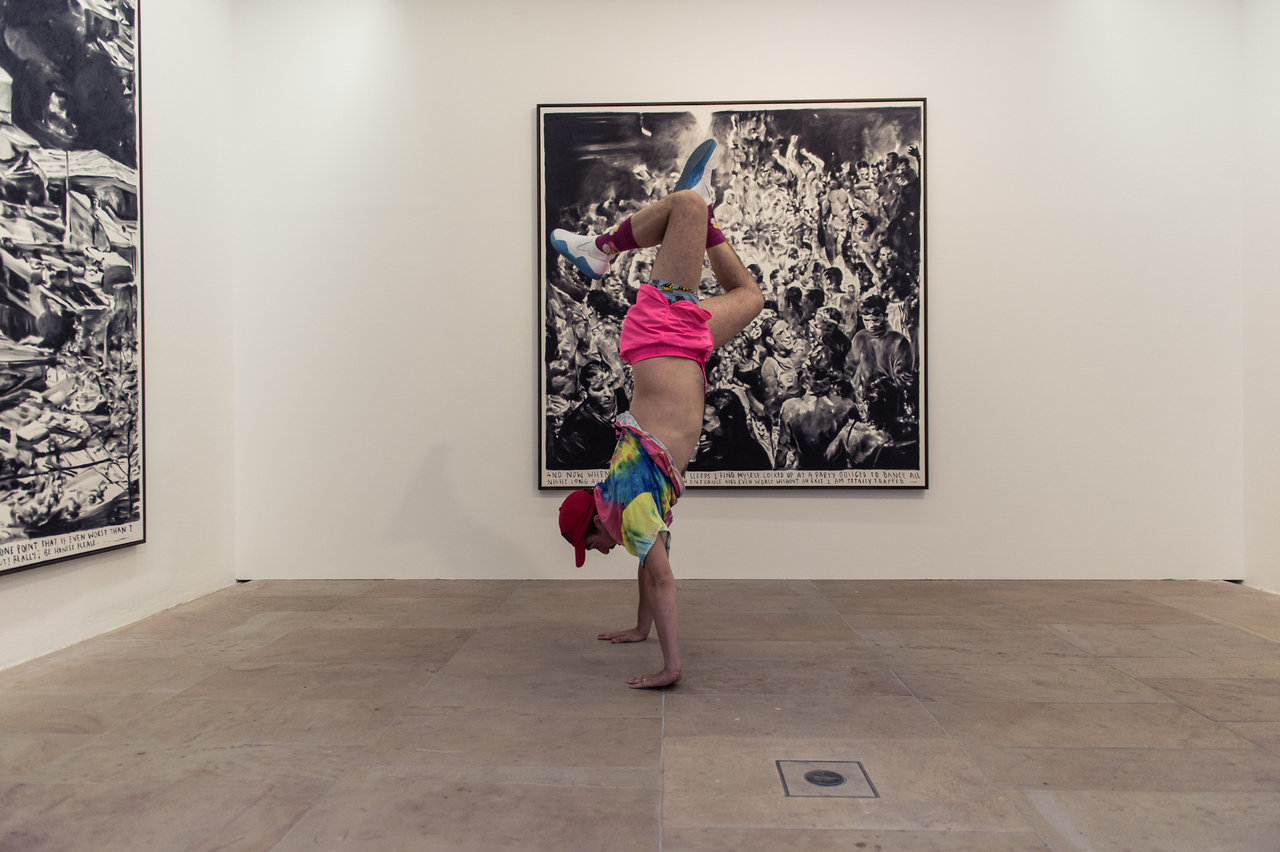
x=824 y=202
x=71 y=453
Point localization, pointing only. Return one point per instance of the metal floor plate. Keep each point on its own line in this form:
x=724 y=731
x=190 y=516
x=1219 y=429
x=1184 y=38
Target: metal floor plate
x=842 y=779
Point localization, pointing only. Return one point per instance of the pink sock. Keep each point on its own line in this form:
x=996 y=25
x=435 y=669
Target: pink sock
x=617 y=240
x=714 y=235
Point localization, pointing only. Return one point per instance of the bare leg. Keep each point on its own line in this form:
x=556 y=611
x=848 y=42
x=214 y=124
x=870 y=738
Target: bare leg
x=644 y=619
x=660 y=584
x=668 y=397
x=679 y=224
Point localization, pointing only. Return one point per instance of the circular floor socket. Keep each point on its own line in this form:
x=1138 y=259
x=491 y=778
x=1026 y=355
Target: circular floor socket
x=824 y=778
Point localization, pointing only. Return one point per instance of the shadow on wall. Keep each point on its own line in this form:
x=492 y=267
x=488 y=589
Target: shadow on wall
x=431 y=511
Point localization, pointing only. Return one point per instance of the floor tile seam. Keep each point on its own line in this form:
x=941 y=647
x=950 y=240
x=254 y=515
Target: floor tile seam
x=302 y=816
x=117 y=723
x=10 y=733
x=852 y=693
x=699 y=692
x=242 y=744
x=356 y=760
x=371 y=588
x=1066 y=704
x=573 y=716
x=877 y=655
x=1035 y=627
x=1243 y=749
x=219 y=826
x=662 y=763
x=1044 y=838
x=985 y=596
x=1196 y=656
x=1225 y=622
x=168 y=782
x=1060 y=662
x=695 y=610
x=844 y=618
x=1190 y=655
x=815 y=829
x=484 y=622
x=276 y=700
x=338 y=778
x=90 y=693
x=428 y=768
x=779 y=661
x=1059 y=702
x=1249 y=679
x=1274 y=791
x=950 y=738
x=59 y=660
x=987 y=629
x=889 y=667
x=909 y=659
x=851 y=740
x=217 y=744
x=1268 y=749
x=1044 y=626
x=1003 y=792
x=349 y=661
x=435 y=674
x=251 y=612
x=1220 y=723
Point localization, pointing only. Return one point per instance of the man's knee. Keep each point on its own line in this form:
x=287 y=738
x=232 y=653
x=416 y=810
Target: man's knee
x=752 y=299
x=687 y=199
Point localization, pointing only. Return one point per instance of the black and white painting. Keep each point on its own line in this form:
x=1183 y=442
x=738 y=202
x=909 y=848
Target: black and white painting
x=825 y=204
x=71 y=454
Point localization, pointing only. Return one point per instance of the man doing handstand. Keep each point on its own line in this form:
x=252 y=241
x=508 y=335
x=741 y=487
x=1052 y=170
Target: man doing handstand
x=666 y=337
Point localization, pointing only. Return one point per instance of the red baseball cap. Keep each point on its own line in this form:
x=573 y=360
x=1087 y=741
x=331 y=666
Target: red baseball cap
x=576 y=513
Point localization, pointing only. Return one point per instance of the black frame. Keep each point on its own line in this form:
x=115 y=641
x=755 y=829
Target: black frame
x=571 y=167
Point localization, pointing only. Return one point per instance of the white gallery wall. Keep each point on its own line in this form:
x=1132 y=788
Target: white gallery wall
x=188 y=326
x=340 y=291
x=1085 y=166
x=1261 y=182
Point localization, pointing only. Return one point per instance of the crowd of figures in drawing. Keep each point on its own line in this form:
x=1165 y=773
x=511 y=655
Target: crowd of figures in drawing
x=70 y=349
x=825 y=209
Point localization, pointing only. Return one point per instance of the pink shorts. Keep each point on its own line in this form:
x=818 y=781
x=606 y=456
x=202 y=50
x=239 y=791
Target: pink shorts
x=655 y=327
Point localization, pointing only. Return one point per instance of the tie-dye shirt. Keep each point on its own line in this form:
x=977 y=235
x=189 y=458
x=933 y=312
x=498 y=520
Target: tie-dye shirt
x=635 y=499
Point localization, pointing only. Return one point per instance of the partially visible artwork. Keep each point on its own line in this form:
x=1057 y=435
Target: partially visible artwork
x=71 y=431
x=825 y=204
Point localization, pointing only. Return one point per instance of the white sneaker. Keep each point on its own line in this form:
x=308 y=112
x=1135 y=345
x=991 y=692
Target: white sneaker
x=581 y=249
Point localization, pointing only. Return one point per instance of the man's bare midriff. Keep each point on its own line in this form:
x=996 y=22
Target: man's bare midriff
x=668 y=403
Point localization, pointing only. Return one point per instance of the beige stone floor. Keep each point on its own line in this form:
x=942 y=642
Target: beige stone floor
x=458 y=715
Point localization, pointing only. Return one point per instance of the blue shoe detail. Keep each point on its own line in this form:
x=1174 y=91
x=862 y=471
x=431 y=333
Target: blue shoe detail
x=696 y=165
x=584 y=266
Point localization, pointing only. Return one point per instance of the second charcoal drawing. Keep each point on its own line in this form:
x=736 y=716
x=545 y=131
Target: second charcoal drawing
x=825 y=203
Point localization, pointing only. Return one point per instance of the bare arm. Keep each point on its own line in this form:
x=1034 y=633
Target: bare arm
x=660 y=584
x=644 y=619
